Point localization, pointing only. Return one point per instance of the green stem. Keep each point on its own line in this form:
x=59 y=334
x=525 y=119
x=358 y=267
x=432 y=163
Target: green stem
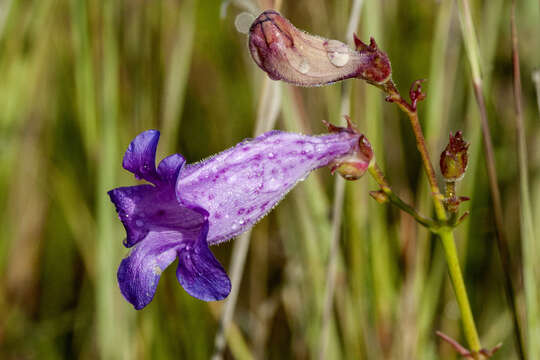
x=445 y=233
x=469 y=327
x=378 y=175
x=451 y=202
x=450 y=191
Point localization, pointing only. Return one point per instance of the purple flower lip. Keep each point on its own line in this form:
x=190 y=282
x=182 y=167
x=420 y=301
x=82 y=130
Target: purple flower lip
x=294 y=56
x=186 y=208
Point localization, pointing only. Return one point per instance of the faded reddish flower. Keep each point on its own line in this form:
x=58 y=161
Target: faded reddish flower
x=294 y=56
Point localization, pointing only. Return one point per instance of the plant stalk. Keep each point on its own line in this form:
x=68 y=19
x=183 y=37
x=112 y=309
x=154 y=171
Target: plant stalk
x=445 y=233
x=378 y=175
x=469 y=326
x=410 y=110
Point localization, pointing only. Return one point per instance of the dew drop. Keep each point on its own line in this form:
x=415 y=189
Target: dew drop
x=235 y=227
x=271 y=155
x=338 y=53
x=241 y=222
x=273 y=184
x=338 y=59
x=243 y=22
x=303 y=67
x=157 y=270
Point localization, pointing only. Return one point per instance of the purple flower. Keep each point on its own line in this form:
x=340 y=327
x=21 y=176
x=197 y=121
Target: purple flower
x=186 y=208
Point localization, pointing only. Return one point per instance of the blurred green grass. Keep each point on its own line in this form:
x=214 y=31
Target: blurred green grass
x=79 y=79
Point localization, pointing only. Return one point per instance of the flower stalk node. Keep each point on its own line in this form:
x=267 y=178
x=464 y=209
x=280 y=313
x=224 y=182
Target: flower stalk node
x=462 y=351
x=462 y=217
x=379 y=196
x=416 y=94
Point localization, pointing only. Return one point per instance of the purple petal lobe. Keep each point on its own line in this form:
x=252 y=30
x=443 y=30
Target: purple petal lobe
x=127 y=201
x=169 y=168
x=140 y=156
x=139 y=273
x=239 y=186
x=145 y=208
x=199 y=273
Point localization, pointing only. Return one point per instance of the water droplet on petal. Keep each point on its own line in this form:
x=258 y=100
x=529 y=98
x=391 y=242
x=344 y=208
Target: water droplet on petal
x=338 y=53
x=271 y=155
x=338 y=59
x=243 y=22
x=273 y=184
x=235 y=227
x=303 y=67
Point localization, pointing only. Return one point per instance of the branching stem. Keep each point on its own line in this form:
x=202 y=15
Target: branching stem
x=378 y=175
x=445 y=231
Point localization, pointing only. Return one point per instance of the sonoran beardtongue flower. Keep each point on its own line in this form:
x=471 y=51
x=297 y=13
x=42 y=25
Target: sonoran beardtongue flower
x=294 y=56
x=186 y=208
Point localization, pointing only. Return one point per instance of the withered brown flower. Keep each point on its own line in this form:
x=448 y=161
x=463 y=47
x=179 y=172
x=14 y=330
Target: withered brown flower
x=294 y=56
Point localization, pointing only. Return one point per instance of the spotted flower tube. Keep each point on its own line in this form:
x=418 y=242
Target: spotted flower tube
x=187 y=207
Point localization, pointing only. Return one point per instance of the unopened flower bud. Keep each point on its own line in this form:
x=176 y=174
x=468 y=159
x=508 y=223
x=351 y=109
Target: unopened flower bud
x=454 y=158
x=294 y=56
